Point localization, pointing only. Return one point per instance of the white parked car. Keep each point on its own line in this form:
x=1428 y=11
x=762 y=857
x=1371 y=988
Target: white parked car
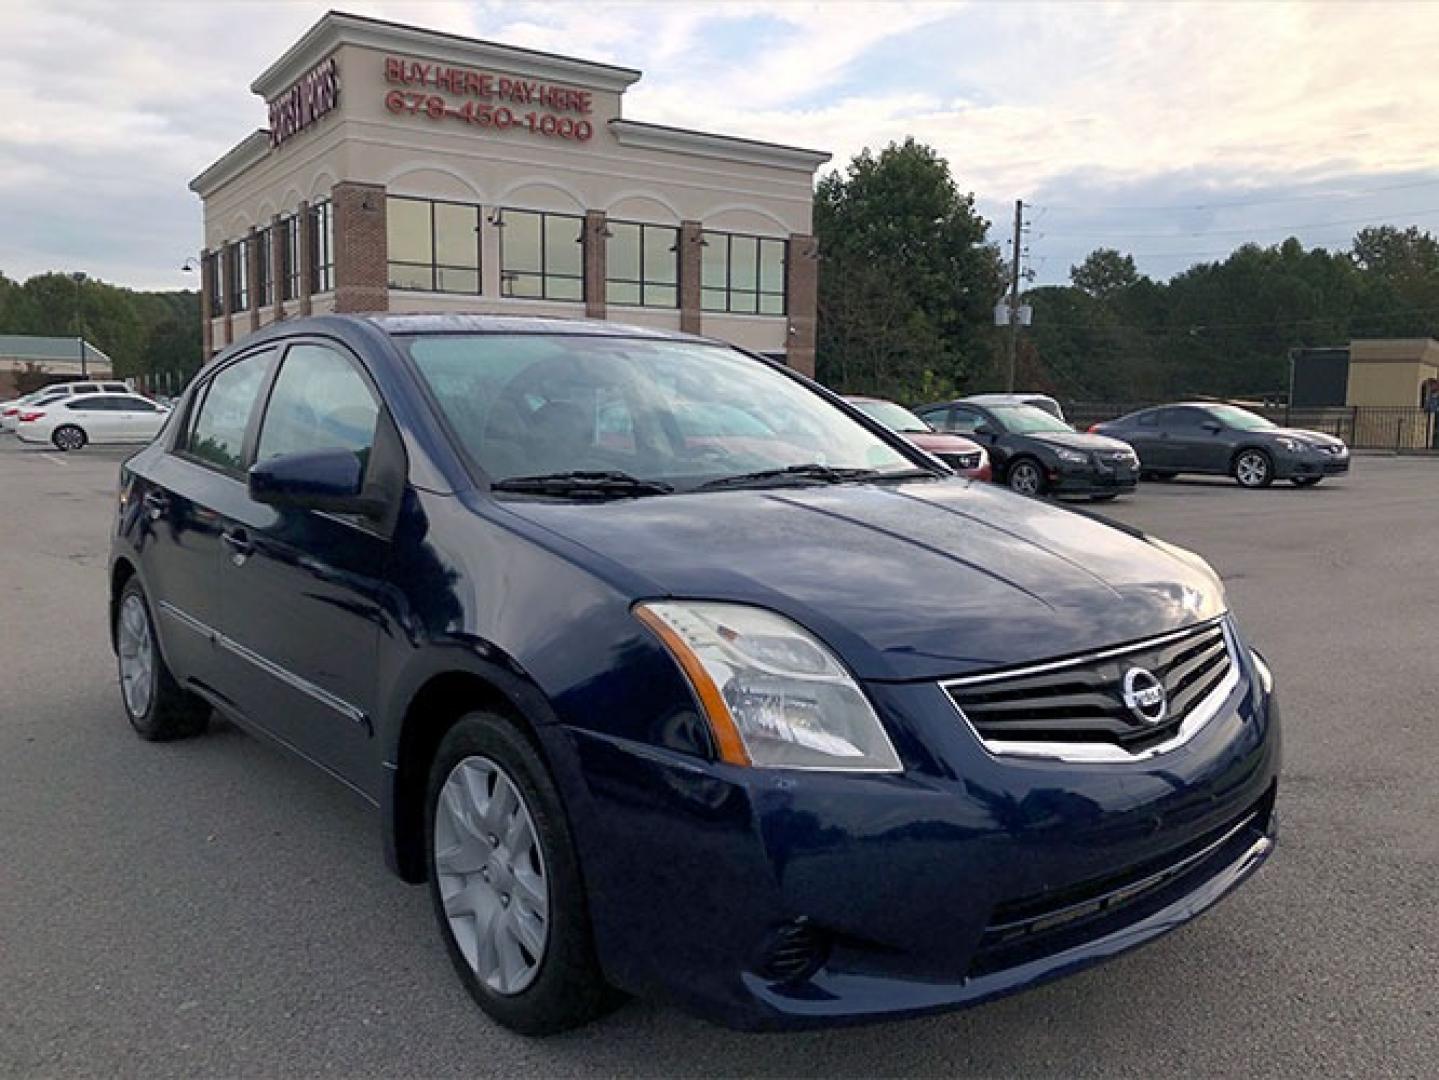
x=10 y=410
x=71 y=422
x=1039 y=401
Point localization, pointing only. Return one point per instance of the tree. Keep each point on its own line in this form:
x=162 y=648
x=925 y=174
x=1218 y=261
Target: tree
x=1104 y=273
x=907 y=283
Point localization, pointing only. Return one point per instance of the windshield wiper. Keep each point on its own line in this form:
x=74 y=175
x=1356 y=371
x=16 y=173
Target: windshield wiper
x=592 y=485
x=825 y=474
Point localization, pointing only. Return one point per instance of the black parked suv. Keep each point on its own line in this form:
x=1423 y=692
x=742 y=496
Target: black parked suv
x=1036 y=453
x=1225 y=440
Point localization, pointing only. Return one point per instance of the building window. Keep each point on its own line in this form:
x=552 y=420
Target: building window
x=264 y=287
x=240 y=275
x=217 y=284
x=642 y=265
x=322 y=247
x=434 y=245
x=743 y=274
x=541 y=255
x=290 y=257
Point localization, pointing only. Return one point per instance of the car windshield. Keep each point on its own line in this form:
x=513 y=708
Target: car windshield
x=1026 y=419
x=1240 y=419
x=671 y=412
x=895 y=417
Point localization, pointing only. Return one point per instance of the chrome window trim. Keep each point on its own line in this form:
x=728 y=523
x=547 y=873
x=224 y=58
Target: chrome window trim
x=1199 y=716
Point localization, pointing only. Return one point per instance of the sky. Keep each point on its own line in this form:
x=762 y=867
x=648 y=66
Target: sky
x=1172 y=131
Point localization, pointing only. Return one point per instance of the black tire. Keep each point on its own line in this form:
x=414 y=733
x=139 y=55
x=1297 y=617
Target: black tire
x=1253 y=468
x=569 y=988
x=1021 y=472
x=169 y=712
x=68 y=437
x=1305 y=481
x=1163 y=477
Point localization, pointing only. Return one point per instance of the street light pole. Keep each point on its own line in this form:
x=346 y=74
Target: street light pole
x=79 y=277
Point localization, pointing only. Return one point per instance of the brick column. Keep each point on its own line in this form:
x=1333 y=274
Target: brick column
x=227 y=275
x=802 y=301
x=595 y=251
x=361 y=248
x=252 y=268
x=277 y=268
x=207 y=286
x=692 y=254
x=307 y=257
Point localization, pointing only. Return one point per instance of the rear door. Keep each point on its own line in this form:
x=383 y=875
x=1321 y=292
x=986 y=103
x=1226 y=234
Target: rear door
x=304 y=589
x=184 y=496
x=1143 y=433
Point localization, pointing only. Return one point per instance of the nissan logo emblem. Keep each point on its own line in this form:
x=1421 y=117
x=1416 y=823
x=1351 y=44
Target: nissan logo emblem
x=1144 y=696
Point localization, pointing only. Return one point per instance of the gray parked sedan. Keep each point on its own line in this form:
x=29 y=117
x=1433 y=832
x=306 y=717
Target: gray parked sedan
x=1226 y=440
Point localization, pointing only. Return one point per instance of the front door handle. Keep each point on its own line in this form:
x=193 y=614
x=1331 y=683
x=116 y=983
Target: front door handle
x=238 y=541
x=155 y=505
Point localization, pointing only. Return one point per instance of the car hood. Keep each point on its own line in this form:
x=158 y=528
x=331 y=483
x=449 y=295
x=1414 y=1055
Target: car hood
x=1076 y=440
x=906 y=581
x=939 y=442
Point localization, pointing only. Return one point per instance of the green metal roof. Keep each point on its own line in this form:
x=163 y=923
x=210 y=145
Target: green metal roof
x=39 y=349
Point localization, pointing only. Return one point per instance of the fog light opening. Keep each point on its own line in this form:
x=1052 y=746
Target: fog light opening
x=794 y=952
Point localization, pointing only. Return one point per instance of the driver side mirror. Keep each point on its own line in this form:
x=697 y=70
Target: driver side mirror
x=330 y=480
x=1214 y=427
x=983 y=430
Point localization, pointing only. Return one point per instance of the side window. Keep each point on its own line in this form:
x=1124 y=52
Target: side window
x=1184 y=418
x=1147 y=419
x=218 y=435
x=964 y=421
x=115 y=388
x=320 y=402
x=84 y=388
x=89 y=404
x=937 y=418
x=134 y=404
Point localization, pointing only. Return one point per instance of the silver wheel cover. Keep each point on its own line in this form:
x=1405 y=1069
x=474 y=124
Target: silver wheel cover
x=1251 y=469
x=491 y=875
x=1025 y=479
x=137 y=656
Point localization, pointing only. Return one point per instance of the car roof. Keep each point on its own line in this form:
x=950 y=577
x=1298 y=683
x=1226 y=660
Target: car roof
x=516 y=324
x=858 y=398
x=1005 y=399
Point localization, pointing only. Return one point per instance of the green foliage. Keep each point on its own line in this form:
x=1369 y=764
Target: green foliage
x=143 y=332
x=907 y=283
x=1104 y=273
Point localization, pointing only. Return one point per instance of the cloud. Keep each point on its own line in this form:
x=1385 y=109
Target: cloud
x=1088 y=110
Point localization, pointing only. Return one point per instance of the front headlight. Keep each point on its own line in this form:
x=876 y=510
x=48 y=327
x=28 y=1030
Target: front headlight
x=774 y=695
x=1291 y=445
x=1074 y=457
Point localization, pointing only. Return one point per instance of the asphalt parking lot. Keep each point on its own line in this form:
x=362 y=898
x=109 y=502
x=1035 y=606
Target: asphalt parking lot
x=212 y=907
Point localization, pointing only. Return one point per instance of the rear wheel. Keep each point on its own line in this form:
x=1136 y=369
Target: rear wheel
x=1026 y=477
x=68 y=437
x=1253 y=469
x=505 y=882
x=158 y=708
x=1305 y=481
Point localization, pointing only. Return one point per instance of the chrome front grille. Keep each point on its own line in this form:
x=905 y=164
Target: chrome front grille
x=1093 y=708
x=961 y=461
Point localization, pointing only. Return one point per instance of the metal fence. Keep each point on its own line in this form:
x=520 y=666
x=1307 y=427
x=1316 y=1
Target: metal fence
x=1363 y=427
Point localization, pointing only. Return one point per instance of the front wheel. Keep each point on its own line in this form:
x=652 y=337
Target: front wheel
x=505 y=882
x=68 y=437
x=158 y=708
x=1253 y=470
x=1025 y=477
x=1305 y=481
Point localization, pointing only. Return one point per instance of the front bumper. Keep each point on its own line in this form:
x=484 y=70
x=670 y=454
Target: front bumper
x=1075 y=479
x=1290 y=465
x=965 y=878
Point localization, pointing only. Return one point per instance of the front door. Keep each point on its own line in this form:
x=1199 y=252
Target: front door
x=305 y=590
x=1195 y=441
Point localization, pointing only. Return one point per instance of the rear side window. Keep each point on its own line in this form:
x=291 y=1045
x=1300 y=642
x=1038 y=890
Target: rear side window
x=218 y=434
x=937 y=418
x=116 y=388
x=1147 y=419
x=319 y=402
x=89 y=404
x=84 y=388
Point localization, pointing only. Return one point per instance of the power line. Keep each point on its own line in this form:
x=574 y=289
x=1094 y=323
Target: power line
x=1197 y=329
x=1222 y=204
x=1250 y=229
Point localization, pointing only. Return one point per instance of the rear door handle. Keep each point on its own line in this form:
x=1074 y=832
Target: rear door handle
x=155 y=505
x=238 y=541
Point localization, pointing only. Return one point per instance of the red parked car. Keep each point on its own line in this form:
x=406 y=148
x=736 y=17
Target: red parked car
x=964 y=456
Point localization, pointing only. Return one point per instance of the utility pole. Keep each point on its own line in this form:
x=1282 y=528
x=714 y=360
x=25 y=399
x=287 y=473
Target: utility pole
x=79 y=277
x=1014 y=296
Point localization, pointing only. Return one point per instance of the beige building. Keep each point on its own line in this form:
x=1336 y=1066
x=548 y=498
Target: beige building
x=410 y=170
x=1392 y=371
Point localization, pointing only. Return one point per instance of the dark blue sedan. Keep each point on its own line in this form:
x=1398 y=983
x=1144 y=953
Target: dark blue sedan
x=673 y=674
